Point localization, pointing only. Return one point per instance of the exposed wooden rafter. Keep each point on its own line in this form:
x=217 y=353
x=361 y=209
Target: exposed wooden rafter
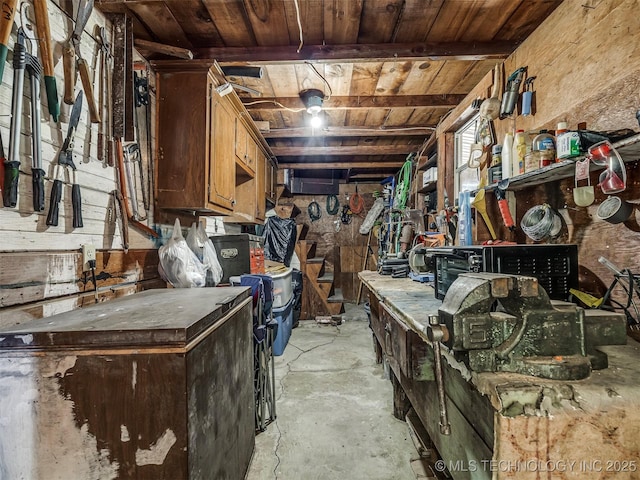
x=467 y=51
x=305 y=151
x=371 y=101
x=341 y=165
x=410 y=131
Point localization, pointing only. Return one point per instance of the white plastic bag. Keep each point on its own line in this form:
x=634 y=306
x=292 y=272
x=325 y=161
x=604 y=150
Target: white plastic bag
x=202 y=246
x=178 y=264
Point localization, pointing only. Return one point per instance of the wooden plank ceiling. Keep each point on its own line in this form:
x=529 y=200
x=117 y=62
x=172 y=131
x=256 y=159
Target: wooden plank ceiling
x=389 y=69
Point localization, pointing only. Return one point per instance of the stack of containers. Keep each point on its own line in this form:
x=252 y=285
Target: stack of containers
x=283 y=301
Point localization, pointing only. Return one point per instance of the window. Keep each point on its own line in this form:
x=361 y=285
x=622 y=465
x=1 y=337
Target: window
x=467 y=179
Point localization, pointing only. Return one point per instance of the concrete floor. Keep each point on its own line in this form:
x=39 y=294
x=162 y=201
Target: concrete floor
x=334 y=410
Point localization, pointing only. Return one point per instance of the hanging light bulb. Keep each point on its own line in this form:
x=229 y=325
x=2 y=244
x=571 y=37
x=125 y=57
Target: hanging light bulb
x=316 y=120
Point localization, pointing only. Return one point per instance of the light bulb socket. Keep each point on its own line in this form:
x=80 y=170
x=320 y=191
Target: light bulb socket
x=312 y=99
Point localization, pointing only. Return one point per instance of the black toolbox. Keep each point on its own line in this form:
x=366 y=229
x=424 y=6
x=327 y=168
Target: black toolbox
x=234 y=253
x=555 y=266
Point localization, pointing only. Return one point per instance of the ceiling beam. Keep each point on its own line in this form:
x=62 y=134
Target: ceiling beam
x=341 y=165
x=469 y=51
x=399 y=131
x=304 y=151
x=367 y=101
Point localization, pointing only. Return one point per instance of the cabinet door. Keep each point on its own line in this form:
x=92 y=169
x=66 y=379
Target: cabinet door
x=252 y=153
x=222 y=170
x=261 y=181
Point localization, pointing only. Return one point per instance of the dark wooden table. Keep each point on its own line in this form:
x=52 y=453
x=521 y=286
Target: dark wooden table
x=506 y=425
x=156 y=385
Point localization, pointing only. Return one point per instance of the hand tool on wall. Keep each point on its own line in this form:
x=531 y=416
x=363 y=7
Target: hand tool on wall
x=6 y=22
x=25 y=58
x=510 y=97
x=132 y=157
x=44 y=38
x=105 y=132
x=142 y=100
x=503 y=204
x=119 y=200
x=528 y=105
x=123 y=190
x=34 y=68
x=71 y=58
x=65 y=159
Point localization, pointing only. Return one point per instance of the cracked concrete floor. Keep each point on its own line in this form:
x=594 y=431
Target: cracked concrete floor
x=334 y=410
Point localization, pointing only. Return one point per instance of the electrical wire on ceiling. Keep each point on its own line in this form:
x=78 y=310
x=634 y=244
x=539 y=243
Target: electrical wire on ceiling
x=299 y=25
x=294 y=110
x=323 y=79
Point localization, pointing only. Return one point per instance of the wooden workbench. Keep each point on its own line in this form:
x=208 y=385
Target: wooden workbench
x=506 y=425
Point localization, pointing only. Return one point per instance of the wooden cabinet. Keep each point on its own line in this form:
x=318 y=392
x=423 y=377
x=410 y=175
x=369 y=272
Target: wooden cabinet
x=221 y=188
x=210 y=154
x=246 y=149
x=251 y=205
x=196 y=160
x=156 y=386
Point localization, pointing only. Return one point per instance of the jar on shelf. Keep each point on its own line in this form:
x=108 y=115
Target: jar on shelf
x=544 y=143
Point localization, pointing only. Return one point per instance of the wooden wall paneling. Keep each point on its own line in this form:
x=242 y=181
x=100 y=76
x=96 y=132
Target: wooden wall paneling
x=571 y=86
x=39 y=284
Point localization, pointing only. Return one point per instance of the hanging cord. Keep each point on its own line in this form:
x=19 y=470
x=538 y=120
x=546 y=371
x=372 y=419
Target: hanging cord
x=333 y=205
x=295 y=2
x=314 y=211
x=327 y=97
x=404 y=184
x=356 y=203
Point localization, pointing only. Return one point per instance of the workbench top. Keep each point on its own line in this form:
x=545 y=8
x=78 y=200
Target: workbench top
x=595 y=418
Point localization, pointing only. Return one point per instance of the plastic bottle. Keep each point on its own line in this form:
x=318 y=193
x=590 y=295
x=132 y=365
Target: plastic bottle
x=519 y=152
x=507 y=155
x=495 y=170
x=560 y=131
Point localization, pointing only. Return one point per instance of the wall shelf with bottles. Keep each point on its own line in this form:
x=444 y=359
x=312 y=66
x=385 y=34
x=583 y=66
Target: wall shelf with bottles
x=628 y=148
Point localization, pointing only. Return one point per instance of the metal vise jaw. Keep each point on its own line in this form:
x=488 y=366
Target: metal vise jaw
x=499 y=322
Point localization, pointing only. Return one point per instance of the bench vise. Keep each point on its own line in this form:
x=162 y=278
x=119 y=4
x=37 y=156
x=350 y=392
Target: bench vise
x=498 y=322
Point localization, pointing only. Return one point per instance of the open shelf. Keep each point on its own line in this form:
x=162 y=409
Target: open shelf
x=628 y=148
x=429 y=187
